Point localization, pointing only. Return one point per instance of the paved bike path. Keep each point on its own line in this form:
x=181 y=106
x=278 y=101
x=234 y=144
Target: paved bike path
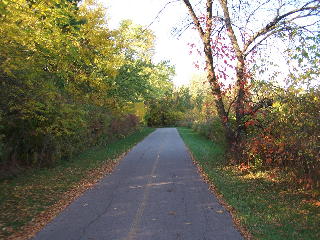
x=155 y=193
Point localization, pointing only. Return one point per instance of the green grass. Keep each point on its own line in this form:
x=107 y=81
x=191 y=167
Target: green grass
x=24 y=197
x=267 y=208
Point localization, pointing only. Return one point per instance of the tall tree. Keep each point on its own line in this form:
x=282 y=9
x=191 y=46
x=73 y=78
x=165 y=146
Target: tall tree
x=234 y=33
x=65 y=76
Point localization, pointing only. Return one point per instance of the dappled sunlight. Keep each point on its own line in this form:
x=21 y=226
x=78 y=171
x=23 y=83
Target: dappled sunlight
x=159 y=184
x=150 y=185
x=260 y=175
x=248 y=174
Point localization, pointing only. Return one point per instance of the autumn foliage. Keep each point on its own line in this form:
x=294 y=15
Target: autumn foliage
x=287 y=135
x=283 y=136
x=68 y=81
x=236 y=49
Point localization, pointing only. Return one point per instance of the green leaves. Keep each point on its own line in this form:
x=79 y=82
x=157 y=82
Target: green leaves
x=307 y=56
x=65 y=76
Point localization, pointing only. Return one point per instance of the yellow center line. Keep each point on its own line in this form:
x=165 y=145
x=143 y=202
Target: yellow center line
x=137 y=219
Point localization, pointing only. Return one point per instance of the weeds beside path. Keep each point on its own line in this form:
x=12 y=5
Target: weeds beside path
x=29 y=201
x=269 y=208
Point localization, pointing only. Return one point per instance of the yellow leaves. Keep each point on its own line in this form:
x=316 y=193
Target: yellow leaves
x=279 y=107
x=25 y=34
x=276 y=104
x=135 y=40
x=140 y=110
x=60 y=63
x=4 y=2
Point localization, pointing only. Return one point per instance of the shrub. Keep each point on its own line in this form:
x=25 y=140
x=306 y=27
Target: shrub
x=120 y=127
x=287 y=136
x=212 y=129
x=41 y=133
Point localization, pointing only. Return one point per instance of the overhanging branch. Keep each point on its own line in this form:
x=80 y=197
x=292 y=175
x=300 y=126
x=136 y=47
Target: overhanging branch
x=271 y=26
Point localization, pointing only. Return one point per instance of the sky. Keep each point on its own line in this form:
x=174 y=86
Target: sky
x=167 y=46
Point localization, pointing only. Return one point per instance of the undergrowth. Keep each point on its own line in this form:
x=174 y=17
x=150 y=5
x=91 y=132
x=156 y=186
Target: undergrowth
x=268 y=207
x=22 y=198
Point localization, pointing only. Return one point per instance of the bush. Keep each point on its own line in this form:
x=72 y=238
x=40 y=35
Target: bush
x=212 y=129
x=120 y=127
x=42 y=136
x=290 y=136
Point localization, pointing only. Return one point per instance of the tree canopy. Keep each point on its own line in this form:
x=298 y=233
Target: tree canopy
x=66 y=75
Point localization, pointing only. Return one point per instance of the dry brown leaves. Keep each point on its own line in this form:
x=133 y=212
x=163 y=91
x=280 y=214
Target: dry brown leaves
x=40 y=221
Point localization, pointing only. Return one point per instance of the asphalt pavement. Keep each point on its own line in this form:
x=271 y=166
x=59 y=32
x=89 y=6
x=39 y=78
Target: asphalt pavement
x=155 y=193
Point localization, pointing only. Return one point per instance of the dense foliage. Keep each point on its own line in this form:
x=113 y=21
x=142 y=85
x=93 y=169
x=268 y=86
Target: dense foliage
x=287 y=135
x=239 y=42
x=170 y=109
x=261 y=60
x=65 y=77
x=282 y=136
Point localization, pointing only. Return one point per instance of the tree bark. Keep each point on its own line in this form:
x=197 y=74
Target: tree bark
x=235 y=134
x=240 y=67
x=205 y=36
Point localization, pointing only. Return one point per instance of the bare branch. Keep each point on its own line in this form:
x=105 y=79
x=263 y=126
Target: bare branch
x=273 y=24
x=230 y=31
x=255 y=10
x=177 y=33
x=229 y=108
x=160 y=12
x=209 y=19
x=262 y=40
x=194 y=18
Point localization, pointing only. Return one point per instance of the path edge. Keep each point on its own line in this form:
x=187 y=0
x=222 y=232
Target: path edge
x=214 y=190
x=91 y=180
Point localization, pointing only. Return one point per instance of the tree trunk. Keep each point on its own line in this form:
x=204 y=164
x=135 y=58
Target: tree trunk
x=241 y=82
x=210 y=70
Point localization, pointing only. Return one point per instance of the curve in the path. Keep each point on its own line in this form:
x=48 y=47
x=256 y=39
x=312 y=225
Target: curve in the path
x=155 y=193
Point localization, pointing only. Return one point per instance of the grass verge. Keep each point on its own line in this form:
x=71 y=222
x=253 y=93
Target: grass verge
x=31 y=200
x=266 y=207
